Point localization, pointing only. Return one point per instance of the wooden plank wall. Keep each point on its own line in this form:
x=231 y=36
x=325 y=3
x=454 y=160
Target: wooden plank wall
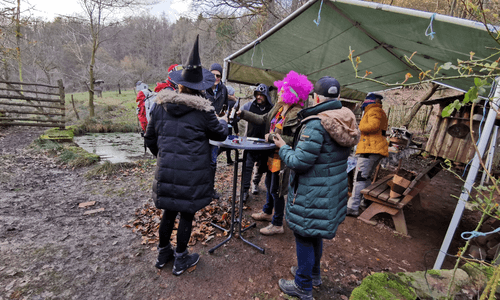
x=461 y=150
x=32 y=104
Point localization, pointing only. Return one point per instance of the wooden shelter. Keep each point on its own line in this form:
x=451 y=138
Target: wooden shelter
x=450 y=137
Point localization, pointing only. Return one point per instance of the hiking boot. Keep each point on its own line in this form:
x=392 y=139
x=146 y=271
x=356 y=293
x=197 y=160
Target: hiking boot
x=316 y=279
x=291 y=289
x=272 y=229
x=184 y=261
x=352 y=212
x=255 y=189
x=262 y=216
x=362 y=204
x=165 y=255
x=245 y=197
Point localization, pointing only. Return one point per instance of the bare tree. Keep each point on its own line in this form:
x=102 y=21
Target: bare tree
x=100 y=15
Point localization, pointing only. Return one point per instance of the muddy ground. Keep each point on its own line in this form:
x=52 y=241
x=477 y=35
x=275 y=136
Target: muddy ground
x=51 y=249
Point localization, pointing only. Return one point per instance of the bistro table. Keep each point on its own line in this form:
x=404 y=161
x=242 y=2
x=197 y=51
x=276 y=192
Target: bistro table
x=244 y=143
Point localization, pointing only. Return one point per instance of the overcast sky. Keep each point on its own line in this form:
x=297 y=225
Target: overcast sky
x=52 y=8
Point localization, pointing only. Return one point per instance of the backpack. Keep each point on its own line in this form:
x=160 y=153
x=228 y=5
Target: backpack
x=145 y=101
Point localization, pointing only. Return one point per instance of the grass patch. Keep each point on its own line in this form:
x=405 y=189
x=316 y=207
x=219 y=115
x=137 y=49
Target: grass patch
x=108 y=169
x=113 y=112
x=66 y=153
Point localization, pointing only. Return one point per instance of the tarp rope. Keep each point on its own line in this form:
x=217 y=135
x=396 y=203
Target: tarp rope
x=256 y=43
x=319 y=14
x=468 y=235
x=431 y=33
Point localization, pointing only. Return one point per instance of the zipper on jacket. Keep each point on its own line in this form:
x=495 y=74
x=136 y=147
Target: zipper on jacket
x=294 y=197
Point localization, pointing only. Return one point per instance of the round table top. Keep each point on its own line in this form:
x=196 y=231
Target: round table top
x=237 y=142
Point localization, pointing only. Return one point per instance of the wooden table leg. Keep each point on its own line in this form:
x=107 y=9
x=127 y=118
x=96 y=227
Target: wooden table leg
x=371 y=211
x=400 y=222
x=374 y=209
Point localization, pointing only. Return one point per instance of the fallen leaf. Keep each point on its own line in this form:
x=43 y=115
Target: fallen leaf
x=86 y=204
x=191 y=269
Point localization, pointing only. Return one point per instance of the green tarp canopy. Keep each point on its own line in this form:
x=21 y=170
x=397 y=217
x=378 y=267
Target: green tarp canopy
x=381 y=35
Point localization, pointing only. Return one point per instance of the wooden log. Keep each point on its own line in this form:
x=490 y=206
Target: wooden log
x=31 y=105
x=32 y=92
x=29 y=112
x=23 y=83
x=28 y=98
x=33 y=124
x=27 y=119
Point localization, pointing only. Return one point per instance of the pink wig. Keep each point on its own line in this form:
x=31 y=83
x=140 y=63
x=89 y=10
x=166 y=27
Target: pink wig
x=296 y=88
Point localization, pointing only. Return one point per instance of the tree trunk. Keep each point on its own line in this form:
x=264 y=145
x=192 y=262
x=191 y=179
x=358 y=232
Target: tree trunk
x=91 y=75
x=416 y=107
x=18 y=40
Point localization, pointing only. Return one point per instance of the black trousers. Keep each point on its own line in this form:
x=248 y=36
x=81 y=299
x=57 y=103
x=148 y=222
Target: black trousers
x=183 y=231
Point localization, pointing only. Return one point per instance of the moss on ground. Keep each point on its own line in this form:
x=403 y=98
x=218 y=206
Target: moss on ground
x=61 y=135
x=66 y=153
x=384 y=286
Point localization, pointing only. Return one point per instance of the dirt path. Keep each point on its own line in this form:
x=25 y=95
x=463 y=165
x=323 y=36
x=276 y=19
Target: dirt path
x=50 y=249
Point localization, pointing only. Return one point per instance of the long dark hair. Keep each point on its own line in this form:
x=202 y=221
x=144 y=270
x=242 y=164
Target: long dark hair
x=185 y=90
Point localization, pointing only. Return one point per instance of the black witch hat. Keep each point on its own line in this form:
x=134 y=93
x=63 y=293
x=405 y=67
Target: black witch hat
x=193 y=75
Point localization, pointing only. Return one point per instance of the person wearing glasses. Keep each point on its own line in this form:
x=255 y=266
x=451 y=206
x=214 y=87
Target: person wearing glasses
x=218 y=95
x=261 y=105
x=293 y=92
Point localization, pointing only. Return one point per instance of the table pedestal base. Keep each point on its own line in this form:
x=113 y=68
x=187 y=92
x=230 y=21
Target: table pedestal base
x=235 y=221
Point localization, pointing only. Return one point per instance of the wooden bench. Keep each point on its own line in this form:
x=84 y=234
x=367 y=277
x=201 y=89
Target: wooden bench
x=378 y=193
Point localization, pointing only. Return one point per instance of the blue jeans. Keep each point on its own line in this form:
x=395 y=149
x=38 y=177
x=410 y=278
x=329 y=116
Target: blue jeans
x=252 y=158
x=213 y=162
x=362 y=177
x=309 y=252
x=273 y=200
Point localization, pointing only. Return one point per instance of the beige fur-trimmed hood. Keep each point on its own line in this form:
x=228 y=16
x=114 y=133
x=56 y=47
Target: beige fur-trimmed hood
x=197 y=102
x=341 y=125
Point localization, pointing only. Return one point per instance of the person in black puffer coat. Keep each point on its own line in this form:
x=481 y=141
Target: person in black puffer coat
x=178 y=135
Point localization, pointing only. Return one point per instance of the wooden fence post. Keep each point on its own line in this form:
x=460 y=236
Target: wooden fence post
x=74 y=108
x=62 y=97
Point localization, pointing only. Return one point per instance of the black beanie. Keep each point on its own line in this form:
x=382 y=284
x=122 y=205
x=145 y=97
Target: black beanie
x=217 y=67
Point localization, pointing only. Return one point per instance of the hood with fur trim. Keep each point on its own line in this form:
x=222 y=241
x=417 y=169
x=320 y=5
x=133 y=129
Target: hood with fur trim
x=340 y=124
x=179 y=104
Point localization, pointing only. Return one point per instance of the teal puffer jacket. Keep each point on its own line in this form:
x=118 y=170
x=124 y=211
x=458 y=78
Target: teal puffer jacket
x=317 y=194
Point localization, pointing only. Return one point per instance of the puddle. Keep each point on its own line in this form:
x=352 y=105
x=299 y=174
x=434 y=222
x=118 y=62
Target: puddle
x=114 y=147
